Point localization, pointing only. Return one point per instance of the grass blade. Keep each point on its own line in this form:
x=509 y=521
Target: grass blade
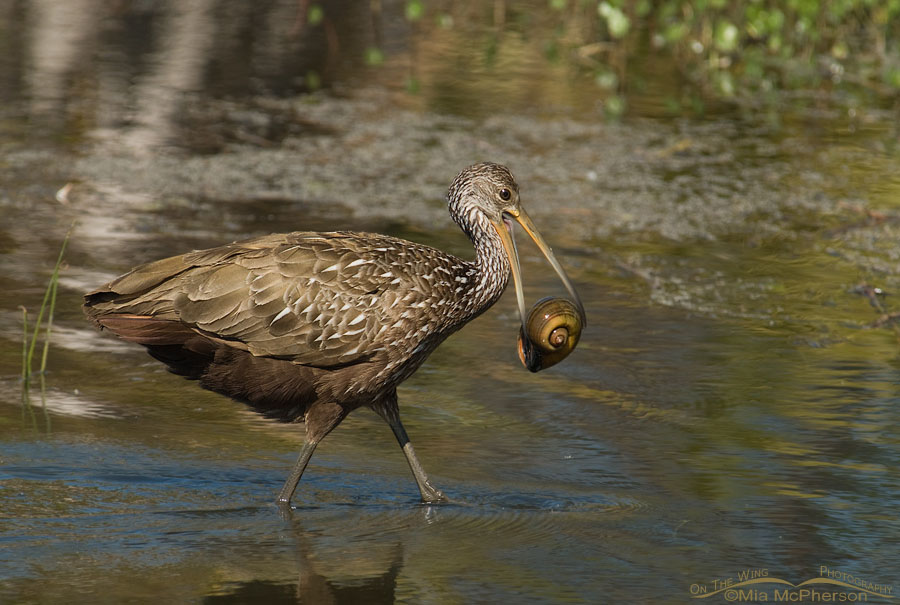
x=25 y=373
x=54 y=282
x=48 y=308
x=47 y=294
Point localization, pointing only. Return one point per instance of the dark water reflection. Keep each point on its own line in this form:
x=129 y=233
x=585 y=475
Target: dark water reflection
x=733 y=404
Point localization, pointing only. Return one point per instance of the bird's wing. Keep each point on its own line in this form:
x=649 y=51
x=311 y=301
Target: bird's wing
x=322 y=300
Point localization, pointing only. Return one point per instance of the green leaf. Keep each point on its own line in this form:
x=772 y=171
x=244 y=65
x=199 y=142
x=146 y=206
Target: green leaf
x=374 y=56
x=675 y=32
x=617 y=22
x=415 y=10
x=315 y=15
x=642 y=8
x=312 y=80
x=725 y=83
x=614 y=106
x=727 y=36
x=840 y=50
x=445 y=21
x=606 y=79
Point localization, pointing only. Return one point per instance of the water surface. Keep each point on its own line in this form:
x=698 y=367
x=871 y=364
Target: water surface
x=732 y=406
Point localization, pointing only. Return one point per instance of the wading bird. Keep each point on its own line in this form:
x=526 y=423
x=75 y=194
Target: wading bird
x=307 y=326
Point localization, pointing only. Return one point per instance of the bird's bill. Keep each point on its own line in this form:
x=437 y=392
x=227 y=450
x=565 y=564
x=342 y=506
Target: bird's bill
x=509 y=245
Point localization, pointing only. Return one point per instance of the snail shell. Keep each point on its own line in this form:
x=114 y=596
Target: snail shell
x=551 y=332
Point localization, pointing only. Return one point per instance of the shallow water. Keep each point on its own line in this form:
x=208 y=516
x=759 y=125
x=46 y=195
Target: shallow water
x=732 y=405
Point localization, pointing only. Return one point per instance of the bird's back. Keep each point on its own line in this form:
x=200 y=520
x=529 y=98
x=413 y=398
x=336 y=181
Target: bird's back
x=281 y=320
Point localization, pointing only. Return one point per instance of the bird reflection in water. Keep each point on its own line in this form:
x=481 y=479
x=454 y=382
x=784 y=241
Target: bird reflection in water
x=351 y=572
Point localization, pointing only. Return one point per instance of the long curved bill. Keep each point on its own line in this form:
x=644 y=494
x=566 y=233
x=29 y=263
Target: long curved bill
x=509 y=245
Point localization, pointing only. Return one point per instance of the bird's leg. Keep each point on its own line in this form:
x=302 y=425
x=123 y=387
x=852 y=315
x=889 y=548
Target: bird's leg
x=320 y=419
x=290 y=486
x=428 y=491
x=388 y=410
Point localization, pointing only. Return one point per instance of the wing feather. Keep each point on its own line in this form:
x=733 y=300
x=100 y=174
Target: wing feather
x=315 y=299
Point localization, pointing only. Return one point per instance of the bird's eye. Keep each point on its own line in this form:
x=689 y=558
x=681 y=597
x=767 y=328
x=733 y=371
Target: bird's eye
x=505 y=194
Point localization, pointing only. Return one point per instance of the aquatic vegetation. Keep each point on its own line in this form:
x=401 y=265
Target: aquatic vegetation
x=734 y=47
x=43 y=323
x=717 y=51
x=727 y=50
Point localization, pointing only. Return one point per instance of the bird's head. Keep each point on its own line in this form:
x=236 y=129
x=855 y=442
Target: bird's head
x=486 y=196
x=486 y=189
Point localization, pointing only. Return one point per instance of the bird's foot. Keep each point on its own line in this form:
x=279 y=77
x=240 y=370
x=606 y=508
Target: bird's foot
x=431 y=494
x=285 y=510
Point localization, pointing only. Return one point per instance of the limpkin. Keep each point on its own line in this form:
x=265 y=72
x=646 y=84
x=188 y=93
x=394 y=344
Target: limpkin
x=309 y=326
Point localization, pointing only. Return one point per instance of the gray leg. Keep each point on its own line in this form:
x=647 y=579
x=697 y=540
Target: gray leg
x=428 y=491
x=319 y=419
x=290 y=486
x=389 y=411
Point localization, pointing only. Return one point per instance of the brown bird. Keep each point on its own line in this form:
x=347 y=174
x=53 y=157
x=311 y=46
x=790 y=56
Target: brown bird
x=307 y=327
